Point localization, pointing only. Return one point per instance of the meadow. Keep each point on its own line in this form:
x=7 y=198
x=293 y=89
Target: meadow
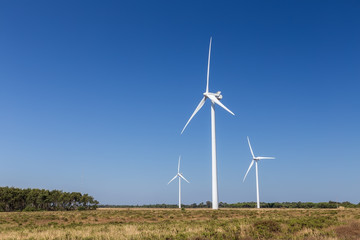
x=196 y=224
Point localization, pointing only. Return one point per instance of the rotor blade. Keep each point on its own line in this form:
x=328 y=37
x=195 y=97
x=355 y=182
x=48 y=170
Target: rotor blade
x=252 y=153
x=208 y=68
x=173 y=179
x=196 y=110
x=265 y=158
x=252 y=163
x=183 y=177
x=179 y=164
x=214 y=99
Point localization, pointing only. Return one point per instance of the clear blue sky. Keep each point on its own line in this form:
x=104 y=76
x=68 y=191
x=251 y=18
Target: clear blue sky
x=94 y=94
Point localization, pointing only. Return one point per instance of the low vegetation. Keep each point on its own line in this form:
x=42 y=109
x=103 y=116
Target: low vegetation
x=194 y=224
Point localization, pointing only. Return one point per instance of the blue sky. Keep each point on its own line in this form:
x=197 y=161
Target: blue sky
x=94 y=94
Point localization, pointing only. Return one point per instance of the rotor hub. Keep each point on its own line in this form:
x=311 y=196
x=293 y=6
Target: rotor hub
x=217 y=95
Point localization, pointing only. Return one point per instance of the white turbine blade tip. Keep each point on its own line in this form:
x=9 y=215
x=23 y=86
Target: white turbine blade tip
x=265 y=158
x=183 y=177
x=208 y=67
x=196 y=110
x=172 y=179
x=252 y=153
x=252 y=162
x=215 y=100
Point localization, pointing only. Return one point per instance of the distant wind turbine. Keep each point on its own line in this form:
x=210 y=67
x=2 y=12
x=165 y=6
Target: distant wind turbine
x=215 y=98
x=180 y=176
x=255 y=159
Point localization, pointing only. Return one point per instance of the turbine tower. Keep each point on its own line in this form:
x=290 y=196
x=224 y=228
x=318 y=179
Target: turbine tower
x=255 y=159
x=215 y=99
x=180 y=176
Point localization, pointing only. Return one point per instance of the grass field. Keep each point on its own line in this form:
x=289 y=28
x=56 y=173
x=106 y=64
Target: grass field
x=183 y=224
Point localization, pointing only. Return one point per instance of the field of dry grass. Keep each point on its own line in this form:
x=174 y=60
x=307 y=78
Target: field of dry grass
x=183 y=224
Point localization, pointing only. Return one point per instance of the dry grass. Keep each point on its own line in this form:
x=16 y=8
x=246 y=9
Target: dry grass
x=177 y=224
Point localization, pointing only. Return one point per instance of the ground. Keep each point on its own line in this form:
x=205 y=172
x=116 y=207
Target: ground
x=193 y=224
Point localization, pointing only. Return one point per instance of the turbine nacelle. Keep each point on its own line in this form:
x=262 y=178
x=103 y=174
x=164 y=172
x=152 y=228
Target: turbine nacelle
x=217 y=95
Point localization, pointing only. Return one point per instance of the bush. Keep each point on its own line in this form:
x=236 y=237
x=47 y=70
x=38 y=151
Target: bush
x=266 y=228
x=29 y=209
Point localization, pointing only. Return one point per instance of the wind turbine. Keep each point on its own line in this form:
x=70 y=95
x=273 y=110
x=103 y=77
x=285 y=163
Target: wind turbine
x=215 y=99
x=255 y=159
x=180 y=176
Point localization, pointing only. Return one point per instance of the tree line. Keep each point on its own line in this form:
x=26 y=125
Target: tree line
x=208 y=204
x=330 y=204
x=17 y=199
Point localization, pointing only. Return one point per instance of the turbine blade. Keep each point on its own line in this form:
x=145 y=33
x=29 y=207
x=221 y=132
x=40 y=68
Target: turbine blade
x=214 y=99
x=183 y=177
x=251 y=164
x=172 y=179
x=208 y=68
x=252 y=153
x=179 y=164
x=196 y=110
x=265 y=158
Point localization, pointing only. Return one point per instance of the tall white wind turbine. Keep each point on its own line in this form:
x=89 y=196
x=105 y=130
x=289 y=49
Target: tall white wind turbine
x=180 y=176
x=255 y=159
x=215 y=99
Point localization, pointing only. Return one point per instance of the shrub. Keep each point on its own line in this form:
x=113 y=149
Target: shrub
x=266 y=228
